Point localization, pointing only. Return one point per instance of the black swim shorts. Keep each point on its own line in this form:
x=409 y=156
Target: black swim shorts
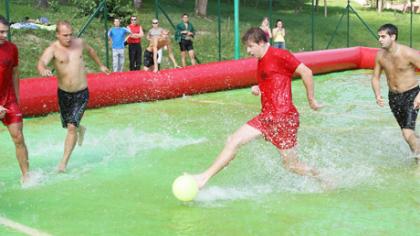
x=148 y=58
x=72 y=106
x=403 y=109
x=186 y=45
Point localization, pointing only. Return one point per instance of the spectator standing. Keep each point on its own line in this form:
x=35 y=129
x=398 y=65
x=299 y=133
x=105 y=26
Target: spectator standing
x=184 y=36
x=134 y=43
x=265 y=26
x=156 y=31
x=117 y=35
x=278 y=35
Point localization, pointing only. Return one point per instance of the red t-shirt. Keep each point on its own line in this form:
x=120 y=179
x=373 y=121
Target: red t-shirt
x=135 y=29
x=274 y=75
x=279 y=119
x=8 y=60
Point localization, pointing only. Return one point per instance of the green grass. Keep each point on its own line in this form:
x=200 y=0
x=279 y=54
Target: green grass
x=298 y=25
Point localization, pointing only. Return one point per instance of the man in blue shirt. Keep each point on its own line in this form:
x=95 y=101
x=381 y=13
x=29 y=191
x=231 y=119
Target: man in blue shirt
x=117 y=35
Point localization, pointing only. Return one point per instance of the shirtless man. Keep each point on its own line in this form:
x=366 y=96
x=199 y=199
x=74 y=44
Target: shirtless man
x=67 y=56
x=151 y=52
x=399 y=63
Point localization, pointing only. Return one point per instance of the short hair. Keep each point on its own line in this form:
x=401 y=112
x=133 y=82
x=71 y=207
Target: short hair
x=61 y=23
x=390 y=30
x=185 y=14
x=254 y=34
x=4 y=21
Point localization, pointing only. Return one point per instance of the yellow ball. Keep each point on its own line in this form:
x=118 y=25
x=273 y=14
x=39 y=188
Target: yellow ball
x=185 y=188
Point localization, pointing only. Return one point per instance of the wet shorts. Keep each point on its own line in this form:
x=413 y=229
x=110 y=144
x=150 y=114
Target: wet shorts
x=186 y=45
x=148 y=58
x=403 y=109
x=280 y=130
x=13 y=115
x=72 y=106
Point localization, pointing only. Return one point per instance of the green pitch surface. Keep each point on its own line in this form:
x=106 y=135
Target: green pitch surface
x=119 y=181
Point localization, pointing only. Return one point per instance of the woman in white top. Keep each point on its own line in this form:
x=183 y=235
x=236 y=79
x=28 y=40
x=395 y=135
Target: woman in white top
x=278 y=35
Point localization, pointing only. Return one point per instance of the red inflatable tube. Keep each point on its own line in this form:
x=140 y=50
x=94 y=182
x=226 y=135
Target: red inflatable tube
x=39 y=95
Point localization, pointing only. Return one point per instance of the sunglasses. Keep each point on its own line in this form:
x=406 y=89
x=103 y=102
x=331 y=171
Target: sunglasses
x=155 y=22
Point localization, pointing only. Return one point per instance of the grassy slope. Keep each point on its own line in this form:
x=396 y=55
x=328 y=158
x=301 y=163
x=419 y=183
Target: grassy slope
x=32 y=42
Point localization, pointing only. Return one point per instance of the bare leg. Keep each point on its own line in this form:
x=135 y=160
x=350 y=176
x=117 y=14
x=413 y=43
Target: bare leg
x=242 y=136
x=69 y=144
x=16 y=133
x=183 y=56
x=413 y=141
x=81 y=135
x=192 y=57
x=293 y=164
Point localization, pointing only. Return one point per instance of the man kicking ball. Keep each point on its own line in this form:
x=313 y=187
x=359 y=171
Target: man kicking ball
x=278 y=121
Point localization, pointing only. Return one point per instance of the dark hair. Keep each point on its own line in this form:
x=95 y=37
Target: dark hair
x=185 y=14
x=4 y=21
x=254 y=34
x=279 y=20
x=390 y=30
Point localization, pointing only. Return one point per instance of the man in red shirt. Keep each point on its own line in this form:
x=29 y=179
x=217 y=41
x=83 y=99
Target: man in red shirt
x=134 y=43
x=10 y=114
x=278 y=121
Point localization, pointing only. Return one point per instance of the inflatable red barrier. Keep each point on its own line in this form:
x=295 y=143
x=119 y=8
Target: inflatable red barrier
x=39 y=95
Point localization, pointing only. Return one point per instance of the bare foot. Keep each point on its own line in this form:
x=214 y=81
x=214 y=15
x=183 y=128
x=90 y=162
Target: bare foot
x=201 y=180
x=61 y=168
x=24 y=179
x=81 y=135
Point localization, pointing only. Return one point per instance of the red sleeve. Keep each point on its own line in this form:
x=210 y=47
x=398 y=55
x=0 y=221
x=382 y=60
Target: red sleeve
x=15 y=56
x=290 y=62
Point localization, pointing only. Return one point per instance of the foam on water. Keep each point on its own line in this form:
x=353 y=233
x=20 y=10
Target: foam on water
x=115 y=144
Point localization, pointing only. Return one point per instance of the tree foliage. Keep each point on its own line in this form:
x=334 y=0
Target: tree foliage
x=116 y=8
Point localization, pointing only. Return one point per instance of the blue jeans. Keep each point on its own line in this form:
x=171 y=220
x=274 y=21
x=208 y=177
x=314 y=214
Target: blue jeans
x=281 y=45
x=117 y=59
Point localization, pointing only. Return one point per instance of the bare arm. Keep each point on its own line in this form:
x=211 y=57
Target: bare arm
x=377 y=70
x=16 y=82
x=307 y=79
x=95 y=58
x=414 y=57
x=138 y=35
x=44 y=60
x=155 y=49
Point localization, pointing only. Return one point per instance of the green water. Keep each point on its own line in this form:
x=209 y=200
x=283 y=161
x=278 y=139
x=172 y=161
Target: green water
x=119 y=182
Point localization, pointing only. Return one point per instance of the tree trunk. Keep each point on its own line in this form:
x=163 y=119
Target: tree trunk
x=201 y=7
x=379 y=5
x=137 y=4
x=316 y=5
x=325 y=8
x=43 y=3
